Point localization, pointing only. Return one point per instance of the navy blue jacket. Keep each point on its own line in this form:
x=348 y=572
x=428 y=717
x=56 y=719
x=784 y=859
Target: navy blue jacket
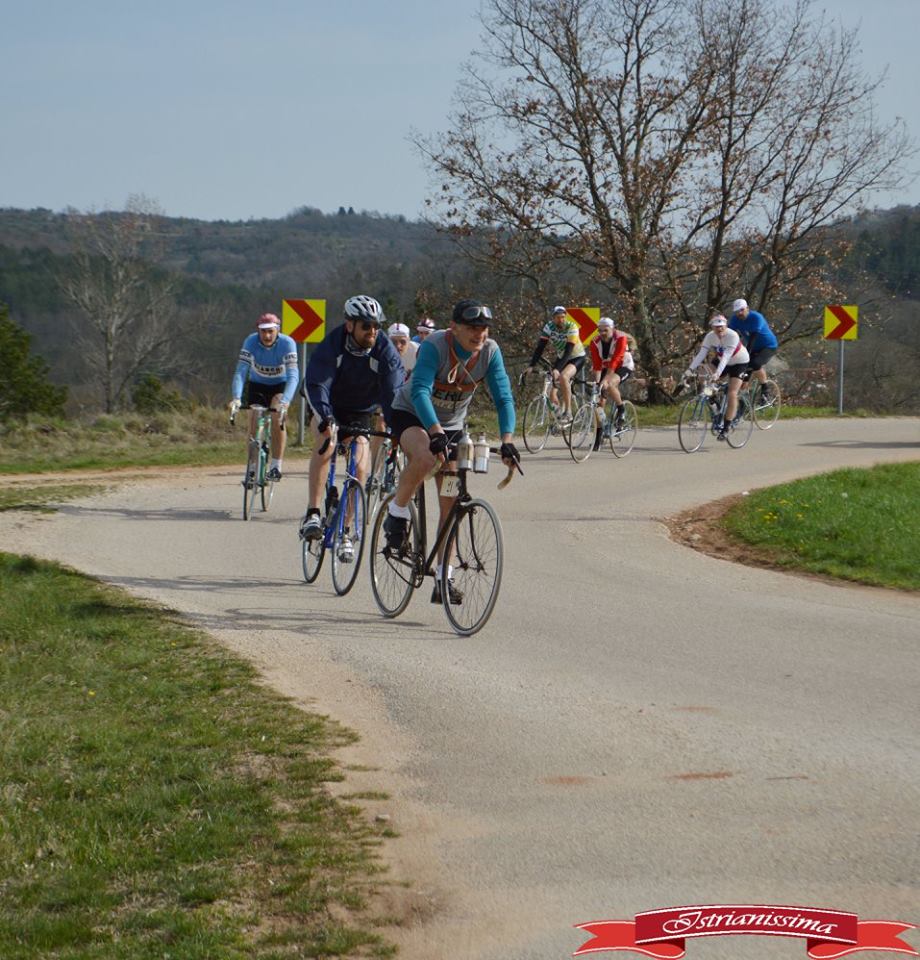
x=336 y=379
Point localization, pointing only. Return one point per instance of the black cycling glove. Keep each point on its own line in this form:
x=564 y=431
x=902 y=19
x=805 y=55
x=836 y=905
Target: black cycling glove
x=438 y=444
x=509 y=452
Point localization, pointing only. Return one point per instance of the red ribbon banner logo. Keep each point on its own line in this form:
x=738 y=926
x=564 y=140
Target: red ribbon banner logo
x=662 y=934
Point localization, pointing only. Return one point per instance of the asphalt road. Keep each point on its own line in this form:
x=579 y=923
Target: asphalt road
x=638 y=726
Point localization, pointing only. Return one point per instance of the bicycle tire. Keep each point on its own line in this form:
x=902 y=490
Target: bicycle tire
x=623 y=439
x=536 y=424
x=312 y=553
x=394 y=577
x=375 y=479
x=250 y=483
x=476 y=552
x=344 y=574
x=766 y=412
x=693 y=423
x=739 y=434
x=580 y=440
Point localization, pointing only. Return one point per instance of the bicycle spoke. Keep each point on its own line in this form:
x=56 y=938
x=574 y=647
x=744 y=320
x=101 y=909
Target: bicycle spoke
x=693 y=424
x=536 y=424
x=394 y=573
x=348 y=539
x=623 y=438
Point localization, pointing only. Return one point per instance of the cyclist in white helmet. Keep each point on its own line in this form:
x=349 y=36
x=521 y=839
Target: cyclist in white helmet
x=731 y=358
x=352 y=373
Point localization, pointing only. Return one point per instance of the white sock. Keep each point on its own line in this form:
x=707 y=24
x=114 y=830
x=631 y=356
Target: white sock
x=397 y=511
x=275 y=463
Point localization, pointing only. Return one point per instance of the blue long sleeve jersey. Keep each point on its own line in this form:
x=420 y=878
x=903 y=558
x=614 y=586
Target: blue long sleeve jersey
x=754 y=331
x=421 y=385
x=276 y=364
x=338 y=378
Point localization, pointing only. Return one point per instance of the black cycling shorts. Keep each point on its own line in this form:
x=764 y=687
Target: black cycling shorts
x=262 y=394
x=761 y=358
x=402 y=420
x=577 y=363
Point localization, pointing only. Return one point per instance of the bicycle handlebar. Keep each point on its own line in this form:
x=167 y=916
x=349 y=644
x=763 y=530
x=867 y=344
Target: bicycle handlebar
x=257 y=406
x=352 y=430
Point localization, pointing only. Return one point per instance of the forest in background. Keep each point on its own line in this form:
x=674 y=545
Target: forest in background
x=219 y=276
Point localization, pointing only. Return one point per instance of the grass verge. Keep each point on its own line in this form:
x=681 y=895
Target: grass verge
x=156 y=800
x=42 y=497
x=860 y=525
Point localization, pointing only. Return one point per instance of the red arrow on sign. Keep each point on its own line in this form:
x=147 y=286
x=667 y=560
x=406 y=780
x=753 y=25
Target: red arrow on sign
x=309 y=319
x=844 y=326
x=586 y=325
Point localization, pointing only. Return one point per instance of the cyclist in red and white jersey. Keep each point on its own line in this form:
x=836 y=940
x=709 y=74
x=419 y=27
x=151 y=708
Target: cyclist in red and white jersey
x=612 y=363
x=731 y=358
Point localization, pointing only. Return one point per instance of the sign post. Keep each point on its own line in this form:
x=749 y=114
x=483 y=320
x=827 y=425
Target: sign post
x=841 y=323
x=304 y=321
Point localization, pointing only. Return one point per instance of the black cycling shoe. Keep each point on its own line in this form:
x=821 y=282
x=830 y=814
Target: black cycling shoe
x=396 y=530
x=274 y=475
x=456 y=596
x=312 y=527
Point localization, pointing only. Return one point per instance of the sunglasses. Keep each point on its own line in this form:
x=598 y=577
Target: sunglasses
x=367 y=324
x=474 y=313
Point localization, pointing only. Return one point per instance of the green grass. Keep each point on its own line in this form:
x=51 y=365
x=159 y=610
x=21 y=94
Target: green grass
x=156 y=800
x=860 y=525
x=25 y=496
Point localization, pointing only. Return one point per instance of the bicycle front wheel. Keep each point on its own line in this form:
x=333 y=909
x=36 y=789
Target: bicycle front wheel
x=395 y=573
x=623 y=438
x=581 y=433
x=743 y=426
x=476 y=553
x=766 y=403
x=250 y=483
x=536 y=424
x=312 y=552
x=348 y=539
x=693 y=424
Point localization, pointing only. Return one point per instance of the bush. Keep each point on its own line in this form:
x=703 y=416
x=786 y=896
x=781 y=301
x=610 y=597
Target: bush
x=151 y=396
x=24 y=387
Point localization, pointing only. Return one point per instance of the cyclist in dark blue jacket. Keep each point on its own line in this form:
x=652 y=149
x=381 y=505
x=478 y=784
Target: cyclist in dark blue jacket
x=756 y=336
x=353 y=373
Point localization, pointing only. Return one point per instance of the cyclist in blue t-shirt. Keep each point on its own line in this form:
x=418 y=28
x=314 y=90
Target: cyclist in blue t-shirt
x=756 y=336
x=269 y=359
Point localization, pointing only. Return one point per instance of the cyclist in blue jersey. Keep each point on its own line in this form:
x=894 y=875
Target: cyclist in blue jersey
x=268 y=358
x=352 y=373
x=430 y=409
x=757 y=337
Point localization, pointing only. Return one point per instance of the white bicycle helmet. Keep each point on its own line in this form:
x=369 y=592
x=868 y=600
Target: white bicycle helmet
x=363 y=308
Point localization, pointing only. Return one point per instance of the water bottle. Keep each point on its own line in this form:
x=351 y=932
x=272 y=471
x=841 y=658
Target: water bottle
x=465 y=452
x=481 y=455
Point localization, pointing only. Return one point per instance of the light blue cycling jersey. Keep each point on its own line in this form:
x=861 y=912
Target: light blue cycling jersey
x=276 y=364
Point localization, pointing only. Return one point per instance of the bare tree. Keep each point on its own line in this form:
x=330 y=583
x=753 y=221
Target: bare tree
x=125 y=299
x=673 y=153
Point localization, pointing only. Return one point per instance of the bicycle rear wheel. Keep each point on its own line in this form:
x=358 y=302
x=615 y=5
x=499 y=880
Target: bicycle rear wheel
x=250 y=483
x=693 y=424
x=743 y=426
x=580 y=437
x=766 y=409
x=623 y=438
x=536 y=424
x=395 y=573
x=375 y=478
x=345 y=572
x=312 y=553
x=476 y=552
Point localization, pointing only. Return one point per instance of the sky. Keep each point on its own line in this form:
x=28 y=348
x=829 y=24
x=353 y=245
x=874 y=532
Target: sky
x=220 y=109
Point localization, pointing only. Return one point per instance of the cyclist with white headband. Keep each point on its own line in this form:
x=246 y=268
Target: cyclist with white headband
x=731 y=358
x=268 y=358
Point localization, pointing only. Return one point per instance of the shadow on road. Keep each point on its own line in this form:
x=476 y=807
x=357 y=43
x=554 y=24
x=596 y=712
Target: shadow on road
x=865 y=444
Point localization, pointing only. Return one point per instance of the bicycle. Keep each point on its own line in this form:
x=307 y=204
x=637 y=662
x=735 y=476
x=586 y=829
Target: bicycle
x=706 y=412
x=344 y=518
x=255 y=480
x=765 y=408
x=470 y=539
x=385 y=470
x=542 y=418
x=595 y=422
